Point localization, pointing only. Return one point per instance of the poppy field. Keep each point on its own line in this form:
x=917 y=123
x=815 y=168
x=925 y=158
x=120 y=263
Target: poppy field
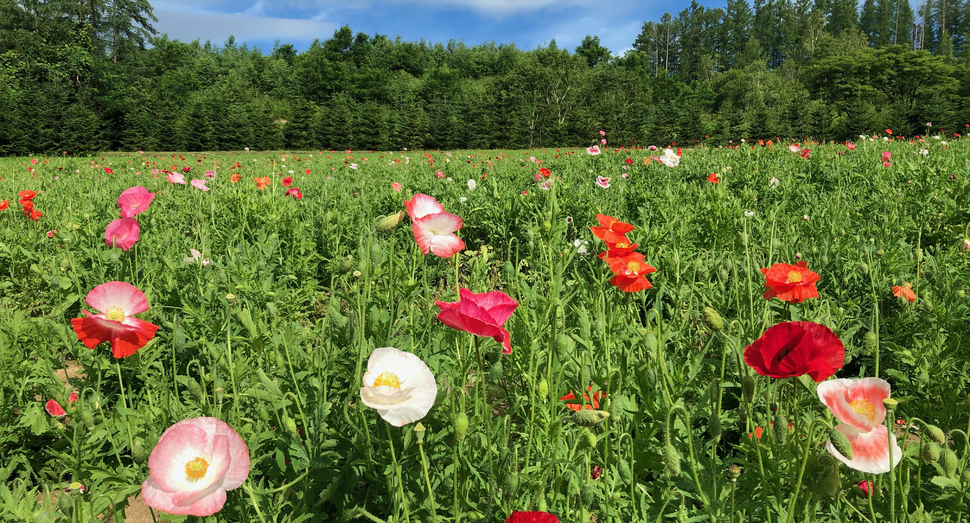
x=760 y=332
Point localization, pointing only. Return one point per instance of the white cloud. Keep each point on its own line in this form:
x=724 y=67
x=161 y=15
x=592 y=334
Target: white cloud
x=249 y=27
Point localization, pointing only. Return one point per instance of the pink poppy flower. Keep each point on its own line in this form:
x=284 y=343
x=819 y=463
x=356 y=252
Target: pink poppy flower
x=593 y=151
x=116 y=302
x=54 y=408
x=396 y=186
x=209 y=174
x=482 y=314
x=50 y=234
x=134 y=200
x=857 y=403
x=603 y=141
x=440 y=174
x=294 y=192
x=434 y=229
x=176 y=178
x=193 y=465
x=850 y=146
x=122 y=233
x=531 y=517
x=602 y=133
x=199 y=184
x=794 y=148
x=603 y=182
x=196 y=255
x=886 y=155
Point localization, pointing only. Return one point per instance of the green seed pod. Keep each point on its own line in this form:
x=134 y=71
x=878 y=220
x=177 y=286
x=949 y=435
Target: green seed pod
x=714 y=426
x=584 y=375
x=290 y=425
x=496 y=373
x=713 y=319
x=840 y=442
x=965 y=477
x=623 y=467
x=347 y=264
x=589 y=418
x=650 y=344
x=747 y=388
x=590 y=438
x=543 y=389
x=138 y=451
x=513 y=482
x=869 y=343
x=929 y=452
x=460 y=425
x=195 y=389
x=87 y=416
x=65 y=503
x=546 y=226
x=780 y=428
x=948 y=460
x=830 y=481
x=616 y=408
x=734 y=472
x=671 y=460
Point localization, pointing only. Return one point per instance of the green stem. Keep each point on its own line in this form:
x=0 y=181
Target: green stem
x=397 y=469
x=427 y=481
x=124 y=402
x=801 y=472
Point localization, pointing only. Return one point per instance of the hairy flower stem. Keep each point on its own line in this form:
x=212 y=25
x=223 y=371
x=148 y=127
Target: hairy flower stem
x=427 y=482
x=801 y=472
x=124 y=402
x=397 y=470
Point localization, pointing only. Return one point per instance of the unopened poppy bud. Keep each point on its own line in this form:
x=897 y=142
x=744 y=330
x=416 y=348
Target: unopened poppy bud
x=546 y=226
x=347 y=264
x=565 y=345
x=966 y=244
x=138 y=451
x=650 y=343
x=390 y=221
x=930 y=452
x=841 y=443
x=65 y=504
x=589 y=418
x=949 y=461
x=626 y=474
x=829 y=481
x=869 y=343
x=87 y=416
x=590 y=438
x=713 y=319
x=733 y=472
x=589 y=493
x=496 y=372
x=290 y=425
x=513 y=482
x=935 y=434
x=780 y=428
x=419 y=432
x=543 y=389
x=714 y=426
x=864 y=267
x=747 y=388
x=195 y=389
x=460 y=424
x=585 y=375
x=671 y=460
x=890 y=403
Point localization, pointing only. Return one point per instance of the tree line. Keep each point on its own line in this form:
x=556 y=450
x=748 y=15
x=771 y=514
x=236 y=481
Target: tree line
x=94 y=76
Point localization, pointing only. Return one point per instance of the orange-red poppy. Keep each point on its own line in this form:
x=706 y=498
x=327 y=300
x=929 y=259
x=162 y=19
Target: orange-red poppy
x=905 y=291
x=235 y=177
x=630 y=272
x=4 y=204
x=713 y=178
x=611 y=230
x=791 y=283
x=591 y=403
x=261 y=183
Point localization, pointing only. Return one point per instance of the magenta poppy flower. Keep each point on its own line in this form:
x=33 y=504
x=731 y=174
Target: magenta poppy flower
x=122 y=233
x=794 y=348
x=482 y=314
x=294 y=192
x=434 y=229
x=134 y=201
x=116 y=303
x=532 y=517
x=176 y=178
x=54 y=408
x=193 y=465
x=209 y=174
x=199 y=184
x=886 y=155
x=858 y=404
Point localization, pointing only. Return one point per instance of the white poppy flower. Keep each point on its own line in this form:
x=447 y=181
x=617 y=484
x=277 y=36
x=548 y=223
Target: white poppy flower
x=398 y=385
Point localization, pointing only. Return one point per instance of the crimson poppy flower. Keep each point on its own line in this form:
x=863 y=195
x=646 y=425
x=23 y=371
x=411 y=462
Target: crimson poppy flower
x=294 y=192
x=134 y=201
x=791 y=283
x=545 y=172
x=116 y=302
x=288 y=181
x=591 y=403
x=905 y=291
x=794 y=348
x=4 y=204
x=482 y=314
x=611 y=230
x=806 y=152
x=628 y=161
x=531 y=517
x=55 y=409
x=713 y=178
x=630 y=272
x=122 y=233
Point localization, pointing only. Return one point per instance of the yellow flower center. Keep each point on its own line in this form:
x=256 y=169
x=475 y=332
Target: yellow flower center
x=115 y=313
x=622 y=245
x=388 y=379
x=794 y=277
x=864 y=407
x=195 y=469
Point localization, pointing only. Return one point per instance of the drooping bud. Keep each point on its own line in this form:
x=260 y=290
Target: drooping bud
x=949 y=461
x=626 y=474
x=588 y=493
x=747 y=388
x=713 y=319
x=966 y=244
x=714 y=426
x=195 y=389
x=780 y=428
x=671 y=460
x=460 y=424
x=869 y=343
x=864 y=267
x=65 y=504
x=650 y=343
x=935 y=434
x=496 y=372
x=390 y=221
x=590 y=438
x=830 y=481
x=841 y=443
x=589 y=418
x=543 y=389
x=929 y=452
x=290 y=425
x=347 y=264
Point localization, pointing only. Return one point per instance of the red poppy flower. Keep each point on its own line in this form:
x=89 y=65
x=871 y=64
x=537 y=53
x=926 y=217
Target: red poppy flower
x=806 y=152
x=611 y=230
x=108 y=170
x=4 y=204
x=544 y=172
x=261 y=183
x=55 y=409
x=794 y=348
x=591 y=403
x=757 y=433
x=618 y=249
x=791 y=283
x=628 y=161
x=294 y=192
x=630 y=272
x=235 y=177
x=482 y=314
x=288 y=181
x=116 y=302
x=531 y=517
x=905 y=291
x=713 y=178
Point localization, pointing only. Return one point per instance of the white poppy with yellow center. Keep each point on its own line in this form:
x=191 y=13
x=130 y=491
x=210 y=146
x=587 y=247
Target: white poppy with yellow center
x=398 y=385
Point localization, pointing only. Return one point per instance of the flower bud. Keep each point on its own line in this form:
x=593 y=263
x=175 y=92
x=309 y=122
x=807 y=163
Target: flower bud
x=935 y=434
x=460 y=425
x=87 y=416
x=543 y=389
x=713 y=319
x=138 y=451
x=780 y=428
x=347 y=264
x=966 y=244
x=671 y=460
x=390 y=221
x=590 y=438
x=588 y=493
x=869 y=343
x=864 y=267
x=841 y=443
x=650 y=343
x=195 y=389
x=714 y=426
x=496 y=372
x=626 y=474
x=890 y=404
x=290 y=425
x=419 y=432
x=589 y=418
x=929 y=452
x=65 y=504
x=733 y=472
x=747 y=388
x=830 y=481
x=948 y=460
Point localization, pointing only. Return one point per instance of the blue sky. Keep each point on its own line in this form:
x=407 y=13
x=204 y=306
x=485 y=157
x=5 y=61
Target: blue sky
x=527 y=23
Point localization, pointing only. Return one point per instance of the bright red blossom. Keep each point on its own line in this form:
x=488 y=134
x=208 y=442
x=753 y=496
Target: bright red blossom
x=794 y=348
x=630 y=272
x=791 y=283
x=591 y=403
x=713 y=178
x=288 y=181
x=905 y=291
x=611 y=230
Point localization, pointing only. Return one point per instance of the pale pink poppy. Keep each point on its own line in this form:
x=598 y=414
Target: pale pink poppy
x=122 y=233
x=209 y=174
x=850 y=146
x=193 y=465
x=546 y=185
x=116 y=303
x=603 y=141
x=440 y=174
x=176 y=178
x=199 y=184
x=602 y=133
x=396 y=186
x=886 y=155
x=603 y=182
x=858 y=404
x=594 y=150
x=794 y=148
x=434 y=229
x=196 y=255
x=54 y=408
x=134 y=200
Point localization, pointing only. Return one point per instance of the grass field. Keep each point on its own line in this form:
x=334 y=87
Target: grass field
x=271 y=327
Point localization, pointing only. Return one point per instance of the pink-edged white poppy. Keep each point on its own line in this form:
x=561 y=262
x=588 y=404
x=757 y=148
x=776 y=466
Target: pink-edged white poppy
x=193 y=465
x=398 y=385
x=794 y=148
x=122 y=233
x=433 y=228
x=196 y=255
x=116 y=302
x=54 y=408
x=176 y=178
x=603 y=182
x=199 y=184
x=593 y=151
x=134 y=201
x=858 y=404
